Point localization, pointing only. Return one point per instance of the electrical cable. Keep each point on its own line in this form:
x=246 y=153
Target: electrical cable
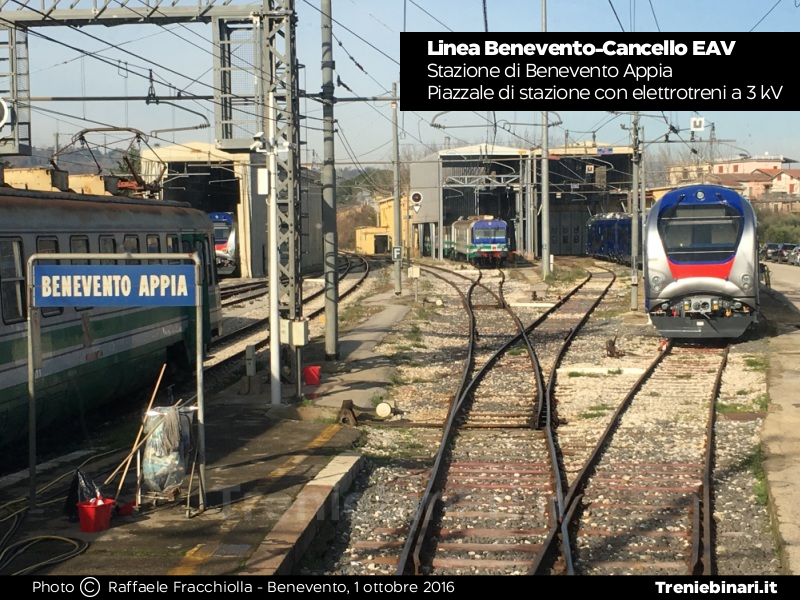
x=116 y=65
x=9 y=552
x=655 y=18
x=397 y=62
x=766 y=15
x=616 y=15
x=430 y=15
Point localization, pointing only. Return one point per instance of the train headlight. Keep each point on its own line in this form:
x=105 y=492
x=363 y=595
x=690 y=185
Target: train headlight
x=655 y=283
x=747 y=281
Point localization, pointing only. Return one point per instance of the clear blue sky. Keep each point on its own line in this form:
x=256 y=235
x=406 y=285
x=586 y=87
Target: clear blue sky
x=366 y=51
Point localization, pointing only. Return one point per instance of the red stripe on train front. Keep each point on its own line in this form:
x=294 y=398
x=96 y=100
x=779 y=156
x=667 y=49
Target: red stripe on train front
x=684 y=270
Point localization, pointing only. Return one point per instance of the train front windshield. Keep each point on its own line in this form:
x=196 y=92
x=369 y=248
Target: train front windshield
x=222 y=232
x=700 y=233
x=489 y=235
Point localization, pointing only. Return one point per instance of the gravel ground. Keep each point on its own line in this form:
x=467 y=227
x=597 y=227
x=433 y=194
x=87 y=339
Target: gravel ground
x=428 y=354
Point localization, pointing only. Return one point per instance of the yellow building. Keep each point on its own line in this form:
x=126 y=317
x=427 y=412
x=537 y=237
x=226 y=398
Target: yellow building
x=55 y=180
x=379 y=239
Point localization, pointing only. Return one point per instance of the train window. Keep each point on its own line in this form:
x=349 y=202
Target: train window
x=79 y=244
x=12 y=281
x=131 y=244
x=692 y=233
x=153 y=247
x=108 y=245
x=48 y=246
x=173 y=247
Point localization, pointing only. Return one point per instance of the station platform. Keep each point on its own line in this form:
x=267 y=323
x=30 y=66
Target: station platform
x=274 y=475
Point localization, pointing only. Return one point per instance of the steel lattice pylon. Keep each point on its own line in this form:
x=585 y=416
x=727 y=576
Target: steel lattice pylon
x=281 y=73
x=15 y=90
x=262 y=49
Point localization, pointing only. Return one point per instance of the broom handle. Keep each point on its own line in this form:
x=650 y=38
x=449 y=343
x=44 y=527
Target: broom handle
x=127 y=462
x=140 y=443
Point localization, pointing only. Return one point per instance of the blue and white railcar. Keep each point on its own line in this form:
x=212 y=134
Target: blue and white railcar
x=481 y=240
x=701 y=263
x=226 y=247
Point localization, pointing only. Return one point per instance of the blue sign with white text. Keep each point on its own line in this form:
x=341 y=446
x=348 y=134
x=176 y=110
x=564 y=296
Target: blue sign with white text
x=113 y=285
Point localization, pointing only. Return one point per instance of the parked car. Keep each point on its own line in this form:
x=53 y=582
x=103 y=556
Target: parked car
x=768 y=249
x=782 y=253
x=794 y=256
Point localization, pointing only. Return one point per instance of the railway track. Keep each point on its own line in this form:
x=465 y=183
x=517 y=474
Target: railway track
x=642 y=503
x=236 y=293
x=510 y=497
x=230 y=346
x=495 y=487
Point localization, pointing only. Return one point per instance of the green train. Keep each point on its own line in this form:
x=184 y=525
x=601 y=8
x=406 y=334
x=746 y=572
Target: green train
x=93 y=356
x=481 y=240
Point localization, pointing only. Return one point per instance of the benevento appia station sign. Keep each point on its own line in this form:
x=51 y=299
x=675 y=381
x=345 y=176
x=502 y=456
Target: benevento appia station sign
x=112 y=285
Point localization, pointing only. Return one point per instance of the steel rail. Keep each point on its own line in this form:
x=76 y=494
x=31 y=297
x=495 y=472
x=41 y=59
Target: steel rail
x=574 y=493
x=703 y=558
x=549 y=401
x=422 y=518
x=263 y=322
x=419 y=526
x=228 y=337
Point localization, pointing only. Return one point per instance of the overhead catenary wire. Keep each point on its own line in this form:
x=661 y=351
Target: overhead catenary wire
x=611 y=4
x=431 y=16
x=130 y=68
x=655 y=18
x=774 y=6
x=368 y=43
x=359 y=166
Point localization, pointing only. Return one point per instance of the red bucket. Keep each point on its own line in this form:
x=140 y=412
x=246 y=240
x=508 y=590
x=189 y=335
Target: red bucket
x=311 y=374
x=95 y=514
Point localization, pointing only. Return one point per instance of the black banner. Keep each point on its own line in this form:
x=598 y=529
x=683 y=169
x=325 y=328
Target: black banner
x=579 y=71
x=455 y=587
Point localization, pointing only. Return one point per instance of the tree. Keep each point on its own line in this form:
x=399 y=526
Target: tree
x=370 y=183
x=350 y=218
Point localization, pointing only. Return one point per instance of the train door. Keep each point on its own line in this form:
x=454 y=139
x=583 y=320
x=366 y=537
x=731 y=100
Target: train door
x=198 y=242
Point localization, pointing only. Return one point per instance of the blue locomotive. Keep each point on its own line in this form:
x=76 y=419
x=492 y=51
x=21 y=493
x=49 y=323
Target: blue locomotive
x=608 y=237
